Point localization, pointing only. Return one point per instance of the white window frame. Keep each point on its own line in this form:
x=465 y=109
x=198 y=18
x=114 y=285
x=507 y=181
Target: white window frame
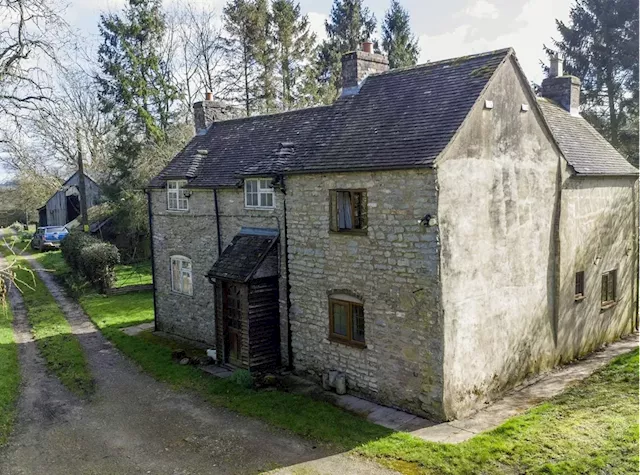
x=176 y=190
x=184 y=271
x=260 y=192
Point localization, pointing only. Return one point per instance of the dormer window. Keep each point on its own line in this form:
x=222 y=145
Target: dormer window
x=258 y=193
x=177 y=199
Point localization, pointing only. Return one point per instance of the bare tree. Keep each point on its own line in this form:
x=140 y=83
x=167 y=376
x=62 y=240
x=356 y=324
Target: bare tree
x=202 y=58
x=74 y=115
x=29 y=35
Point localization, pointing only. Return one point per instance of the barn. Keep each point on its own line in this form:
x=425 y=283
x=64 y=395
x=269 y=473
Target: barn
x=64 y=204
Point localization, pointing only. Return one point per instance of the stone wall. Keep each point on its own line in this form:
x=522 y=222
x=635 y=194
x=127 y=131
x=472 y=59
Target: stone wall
x=193 y=234
x=498 y=199
x=394 y=268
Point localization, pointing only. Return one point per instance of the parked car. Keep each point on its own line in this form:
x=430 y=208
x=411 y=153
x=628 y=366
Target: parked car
x=48 y=237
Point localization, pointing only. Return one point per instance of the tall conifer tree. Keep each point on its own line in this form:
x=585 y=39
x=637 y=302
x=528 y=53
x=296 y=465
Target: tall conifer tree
x=600 y=46
x=350 y=24
x=295 y=45
x=398 y=41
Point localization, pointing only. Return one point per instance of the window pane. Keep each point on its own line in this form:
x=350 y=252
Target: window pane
x=357 y=319
x=339 y=319
x=605 y=281
x=266 y=200
x=611 y=287
x=265 y=184
x=252 y=186
x=344 y=210
x=173 y=201
x=186 y=282
x=252 y=199
x=357 y=207
x=175 y=275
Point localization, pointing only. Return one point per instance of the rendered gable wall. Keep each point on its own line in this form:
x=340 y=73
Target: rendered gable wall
x=498 y=199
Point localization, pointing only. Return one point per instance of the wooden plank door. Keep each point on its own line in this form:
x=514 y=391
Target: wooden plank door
x=233 y=321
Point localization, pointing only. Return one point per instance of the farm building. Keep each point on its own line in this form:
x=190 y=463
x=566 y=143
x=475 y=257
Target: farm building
x=64 y=205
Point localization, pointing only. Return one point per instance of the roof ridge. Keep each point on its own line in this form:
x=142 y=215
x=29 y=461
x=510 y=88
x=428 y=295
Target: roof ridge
x=497 y=52
x=260 y=116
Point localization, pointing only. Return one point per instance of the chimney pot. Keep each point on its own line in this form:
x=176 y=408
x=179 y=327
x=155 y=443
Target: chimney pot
x=208 y=96
x=555 y=66
x=564 y=90
x=367 y=46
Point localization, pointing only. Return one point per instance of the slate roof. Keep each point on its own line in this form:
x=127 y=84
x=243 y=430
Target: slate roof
x=402 y=118
x=584 y=148
x=241 y=259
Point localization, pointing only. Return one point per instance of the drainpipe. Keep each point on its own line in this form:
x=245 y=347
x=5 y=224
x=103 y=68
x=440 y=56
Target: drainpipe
x=215 y=202
x=153 y=261
x=286 y=266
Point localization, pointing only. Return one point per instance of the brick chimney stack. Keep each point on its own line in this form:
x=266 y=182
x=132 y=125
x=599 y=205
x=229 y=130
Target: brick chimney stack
x=208 y=111
x=357 y=65
x=564 y=90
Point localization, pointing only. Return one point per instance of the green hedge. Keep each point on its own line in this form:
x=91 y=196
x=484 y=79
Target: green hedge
x=92 y=258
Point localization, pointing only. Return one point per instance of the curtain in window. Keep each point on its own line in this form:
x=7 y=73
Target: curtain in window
x=175 y=274
x=344 y=210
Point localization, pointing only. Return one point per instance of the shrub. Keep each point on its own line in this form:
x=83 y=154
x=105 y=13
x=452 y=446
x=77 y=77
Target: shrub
x=71 y=247
x=17 y=227
x=98 y=261
x=91 y=258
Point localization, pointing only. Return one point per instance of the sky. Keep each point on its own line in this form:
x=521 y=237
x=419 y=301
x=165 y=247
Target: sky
x=444 y=29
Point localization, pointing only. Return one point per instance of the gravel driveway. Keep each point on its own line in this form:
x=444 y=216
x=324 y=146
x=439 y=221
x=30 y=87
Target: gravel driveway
x=133 y=423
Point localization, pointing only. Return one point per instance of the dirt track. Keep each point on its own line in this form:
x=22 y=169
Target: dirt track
x=133 y=424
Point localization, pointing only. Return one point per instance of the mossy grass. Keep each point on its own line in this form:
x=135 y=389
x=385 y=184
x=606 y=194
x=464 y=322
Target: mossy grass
x=9 y=373
x=56 y=343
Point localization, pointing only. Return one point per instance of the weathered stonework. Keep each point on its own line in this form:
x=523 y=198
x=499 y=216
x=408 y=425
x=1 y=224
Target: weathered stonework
x=193 y=234
x=394 y=270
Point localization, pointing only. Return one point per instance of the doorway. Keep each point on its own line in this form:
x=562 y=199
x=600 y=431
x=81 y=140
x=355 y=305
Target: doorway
x=232 y=314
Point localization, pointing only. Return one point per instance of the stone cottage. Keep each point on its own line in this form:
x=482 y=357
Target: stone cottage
x=437 y=234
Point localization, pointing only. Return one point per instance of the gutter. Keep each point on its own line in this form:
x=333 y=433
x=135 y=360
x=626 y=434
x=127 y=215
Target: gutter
x=153 y=261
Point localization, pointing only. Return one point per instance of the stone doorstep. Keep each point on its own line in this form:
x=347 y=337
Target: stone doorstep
x=137 y=329
x=217 y=371
x=526 y=396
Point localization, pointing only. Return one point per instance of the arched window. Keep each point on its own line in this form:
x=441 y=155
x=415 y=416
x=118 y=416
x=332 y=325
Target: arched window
x=346 y=319
x=181 y=277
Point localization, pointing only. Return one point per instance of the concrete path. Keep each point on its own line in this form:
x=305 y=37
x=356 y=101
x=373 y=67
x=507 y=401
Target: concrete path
x=133 y=423
x=526 y=396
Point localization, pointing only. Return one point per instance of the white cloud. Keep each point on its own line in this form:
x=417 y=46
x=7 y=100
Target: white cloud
x=316 y=25
x=482 y=9
x=533 y=27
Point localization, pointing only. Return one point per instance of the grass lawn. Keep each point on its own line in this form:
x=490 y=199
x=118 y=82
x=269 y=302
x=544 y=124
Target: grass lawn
x=9 y=373
x=126 y=274
x=591 y=428
x=52 y=333
x=133 y=274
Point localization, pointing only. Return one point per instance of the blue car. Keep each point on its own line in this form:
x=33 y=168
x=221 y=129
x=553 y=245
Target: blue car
x=48 y=237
